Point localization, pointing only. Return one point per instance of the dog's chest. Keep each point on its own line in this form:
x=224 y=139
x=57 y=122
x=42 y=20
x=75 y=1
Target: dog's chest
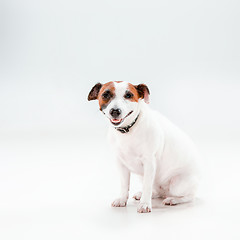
x=131 y=153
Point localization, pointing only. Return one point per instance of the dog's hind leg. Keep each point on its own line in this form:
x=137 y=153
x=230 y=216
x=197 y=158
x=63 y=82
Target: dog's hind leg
x=181 y=190
x=138 y=195
x=177 y=200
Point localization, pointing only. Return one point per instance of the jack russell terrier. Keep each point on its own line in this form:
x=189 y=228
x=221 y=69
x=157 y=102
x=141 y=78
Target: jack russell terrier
x=148 y=144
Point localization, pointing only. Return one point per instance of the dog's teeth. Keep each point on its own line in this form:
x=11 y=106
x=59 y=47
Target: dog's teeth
x=116 y=121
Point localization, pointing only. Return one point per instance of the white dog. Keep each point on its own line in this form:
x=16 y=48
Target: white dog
x=148 y=144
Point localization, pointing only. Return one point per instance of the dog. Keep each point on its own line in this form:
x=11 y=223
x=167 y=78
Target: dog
x=148 y=144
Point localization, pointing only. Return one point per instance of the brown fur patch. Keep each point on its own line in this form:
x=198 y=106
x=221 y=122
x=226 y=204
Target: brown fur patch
x=107 y=87
x=93 y=94
x=143 y=92
x=135 y=93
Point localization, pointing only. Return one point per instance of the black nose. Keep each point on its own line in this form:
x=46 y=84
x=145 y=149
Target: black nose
x=115 y=112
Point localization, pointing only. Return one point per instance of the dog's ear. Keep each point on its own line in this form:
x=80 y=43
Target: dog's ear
x=93 y=94
x=143 y=92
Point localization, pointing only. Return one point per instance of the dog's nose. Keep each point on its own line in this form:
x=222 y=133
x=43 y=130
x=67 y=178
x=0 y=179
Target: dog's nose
x=115 y=112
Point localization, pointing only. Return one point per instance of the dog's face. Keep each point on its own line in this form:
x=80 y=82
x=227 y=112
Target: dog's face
x=119 y=101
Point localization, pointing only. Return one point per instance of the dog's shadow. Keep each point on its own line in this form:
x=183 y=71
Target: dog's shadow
x=158 y=206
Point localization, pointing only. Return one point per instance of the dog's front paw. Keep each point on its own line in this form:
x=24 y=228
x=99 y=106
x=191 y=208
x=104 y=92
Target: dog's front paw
x=119 y=202
x=144 y=207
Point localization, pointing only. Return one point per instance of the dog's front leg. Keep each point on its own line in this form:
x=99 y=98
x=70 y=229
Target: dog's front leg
x=125 y=181
x=145 y=204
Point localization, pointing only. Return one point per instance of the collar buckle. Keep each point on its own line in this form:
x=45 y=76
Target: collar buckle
x=126 y=129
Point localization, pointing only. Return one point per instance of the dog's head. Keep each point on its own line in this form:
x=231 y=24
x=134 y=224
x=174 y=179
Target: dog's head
x=120 y=101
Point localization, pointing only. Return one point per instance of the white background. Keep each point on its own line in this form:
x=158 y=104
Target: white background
x=57 y=177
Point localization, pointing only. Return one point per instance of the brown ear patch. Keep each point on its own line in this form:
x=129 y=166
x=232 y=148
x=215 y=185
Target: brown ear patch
x=143 y=92
x=106 y=94
x=93 y=94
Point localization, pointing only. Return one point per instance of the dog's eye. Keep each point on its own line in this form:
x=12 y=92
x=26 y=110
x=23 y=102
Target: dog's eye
x=128 y=95
x=106 y=95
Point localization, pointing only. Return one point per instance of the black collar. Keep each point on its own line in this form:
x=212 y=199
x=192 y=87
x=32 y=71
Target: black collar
x=126 y=129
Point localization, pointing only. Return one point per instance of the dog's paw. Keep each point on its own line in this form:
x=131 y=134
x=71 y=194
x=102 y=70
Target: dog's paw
x=119 y=202
x=170 y=201
x=137 y=196
x=144 y=208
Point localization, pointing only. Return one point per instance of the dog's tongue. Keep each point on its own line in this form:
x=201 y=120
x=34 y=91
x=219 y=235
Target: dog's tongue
x=116 y=120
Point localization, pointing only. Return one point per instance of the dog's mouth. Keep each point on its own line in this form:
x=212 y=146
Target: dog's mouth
x=116 y=122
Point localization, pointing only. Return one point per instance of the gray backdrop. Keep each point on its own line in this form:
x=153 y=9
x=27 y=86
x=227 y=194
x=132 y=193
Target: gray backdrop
x=53 y=52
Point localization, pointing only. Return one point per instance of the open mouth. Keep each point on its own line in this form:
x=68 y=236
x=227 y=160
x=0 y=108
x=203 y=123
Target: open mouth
x=118 y=121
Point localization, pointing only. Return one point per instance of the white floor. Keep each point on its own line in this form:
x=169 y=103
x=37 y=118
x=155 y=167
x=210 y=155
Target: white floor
x=61 y=185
